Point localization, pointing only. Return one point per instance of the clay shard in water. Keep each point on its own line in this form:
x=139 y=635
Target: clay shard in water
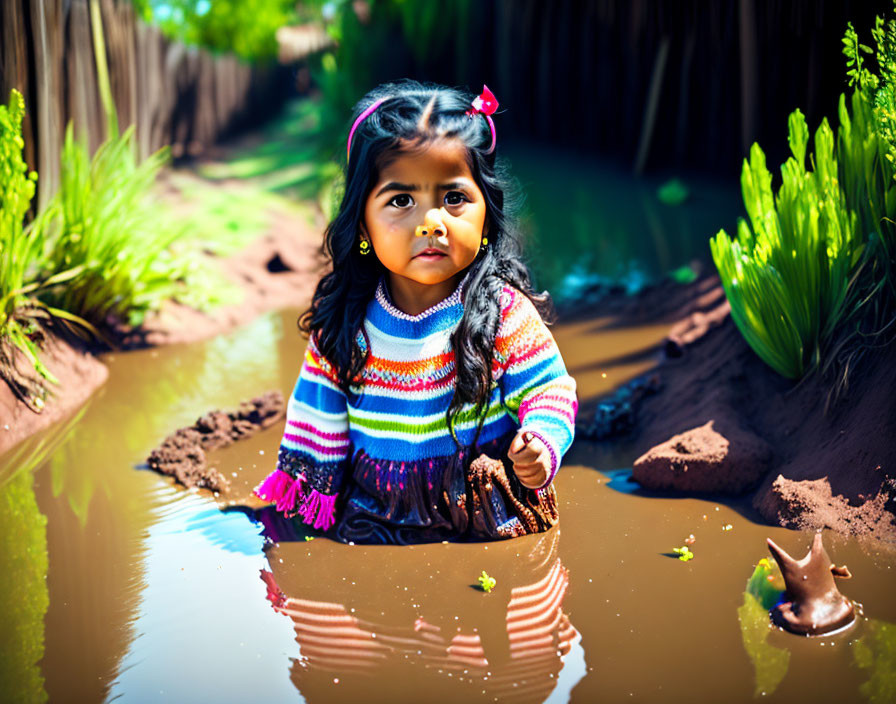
x=814 y=605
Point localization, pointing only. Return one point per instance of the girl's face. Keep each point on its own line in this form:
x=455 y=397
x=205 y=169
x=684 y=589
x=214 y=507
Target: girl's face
x=425 y=217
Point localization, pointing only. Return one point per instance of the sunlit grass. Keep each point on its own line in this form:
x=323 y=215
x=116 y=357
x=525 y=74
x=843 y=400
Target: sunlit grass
x=788 y=273
x=108 y=224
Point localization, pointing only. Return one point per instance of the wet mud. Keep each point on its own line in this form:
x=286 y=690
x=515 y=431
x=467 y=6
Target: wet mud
x=182 y=454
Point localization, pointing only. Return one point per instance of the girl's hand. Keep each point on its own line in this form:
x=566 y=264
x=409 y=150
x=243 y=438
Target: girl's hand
x=531 y=459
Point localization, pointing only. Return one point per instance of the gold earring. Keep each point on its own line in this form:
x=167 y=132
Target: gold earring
x=365 y=247
x=484 y=243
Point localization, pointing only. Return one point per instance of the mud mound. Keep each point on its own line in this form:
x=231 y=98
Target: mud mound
x=182 y=454
x=812 y=505
x=705 y=460
x=829 y=466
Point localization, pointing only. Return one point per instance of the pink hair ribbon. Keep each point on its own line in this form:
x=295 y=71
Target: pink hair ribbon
x=485 y=104
x=363 y=116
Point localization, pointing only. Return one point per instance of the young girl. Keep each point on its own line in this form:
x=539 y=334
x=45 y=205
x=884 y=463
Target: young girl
x=426 y=349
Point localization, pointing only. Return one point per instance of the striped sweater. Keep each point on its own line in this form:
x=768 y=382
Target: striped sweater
x=397 y=411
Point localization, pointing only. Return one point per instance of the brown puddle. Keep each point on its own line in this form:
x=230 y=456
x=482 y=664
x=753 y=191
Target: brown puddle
x=156 y=593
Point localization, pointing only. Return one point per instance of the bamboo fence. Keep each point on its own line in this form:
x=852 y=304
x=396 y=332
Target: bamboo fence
x=174 y=94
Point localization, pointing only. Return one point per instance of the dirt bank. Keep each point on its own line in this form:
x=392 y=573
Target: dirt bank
x=79 y=374
x=834 y=469
x=278 y=270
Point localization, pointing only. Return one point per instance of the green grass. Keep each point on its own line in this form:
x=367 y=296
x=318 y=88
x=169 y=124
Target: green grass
x=107 y=225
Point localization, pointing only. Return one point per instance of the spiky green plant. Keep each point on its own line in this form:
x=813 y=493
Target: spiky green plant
x=21 y=248
x=788 y=273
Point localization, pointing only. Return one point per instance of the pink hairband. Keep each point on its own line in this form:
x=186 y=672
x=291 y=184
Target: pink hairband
x=363 y=116
x=484 y=104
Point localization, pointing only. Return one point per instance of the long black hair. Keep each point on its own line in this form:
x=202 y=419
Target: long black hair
x=412 y=115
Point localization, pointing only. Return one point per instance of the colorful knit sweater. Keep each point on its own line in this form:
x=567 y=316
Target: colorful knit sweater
x=395 y=418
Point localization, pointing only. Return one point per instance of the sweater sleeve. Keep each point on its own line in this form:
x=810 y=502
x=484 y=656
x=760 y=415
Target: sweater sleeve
x=535 y=386
x=314 y=450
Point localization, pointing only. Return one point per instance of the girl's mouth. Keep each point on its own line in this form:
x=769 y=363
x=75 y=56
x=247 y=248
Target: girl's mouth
x=431 y=253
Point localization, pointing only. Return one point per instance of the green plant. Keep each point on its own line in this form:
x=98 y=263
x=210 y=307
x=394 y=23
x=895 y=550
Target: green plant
x=868 y=143
x=788 y=276
x=108 y=226
x=21 y=248
x=486 y=583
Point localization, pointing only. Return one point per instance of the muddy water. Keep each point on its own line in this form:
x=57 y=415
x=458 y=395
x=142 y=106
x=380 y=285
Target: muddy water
x=119 y=585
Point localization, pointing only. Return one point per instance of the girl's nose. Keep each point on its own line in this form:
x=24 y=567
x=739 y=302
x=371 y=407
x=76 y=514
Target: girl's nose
x=433 y=225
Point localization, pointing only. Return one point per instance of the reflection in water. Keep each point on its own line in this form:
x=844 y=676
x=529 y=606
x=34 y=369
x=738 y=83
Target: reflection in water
x=875 y=652
x=621 y=480
x=154 y=596
x=513 y=647
x=24 y=562
x=171 y=387
x=23 y=591
x=33 y=451
x=763 y=591
x=201 y=629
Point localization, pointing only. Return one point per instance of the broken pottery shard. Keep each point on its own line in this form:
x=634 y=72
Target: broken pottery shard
x=815 y=606
x=705 y=459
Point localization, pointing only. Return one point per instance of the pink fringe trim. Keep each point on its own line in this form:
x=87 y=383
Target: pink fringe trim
x=281 y=489
x=288 y=504
x=319 y=510
x=274 y=487
x=316 y=509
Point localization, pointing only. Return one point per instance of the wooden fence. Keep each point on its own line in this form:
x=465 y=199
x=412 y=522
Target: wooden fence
x=176 y=95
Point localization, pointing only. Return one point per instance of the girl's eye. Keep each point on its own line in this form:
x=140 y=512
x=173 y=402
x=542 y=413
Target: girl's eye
x=402 y=200
x=455 y=198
